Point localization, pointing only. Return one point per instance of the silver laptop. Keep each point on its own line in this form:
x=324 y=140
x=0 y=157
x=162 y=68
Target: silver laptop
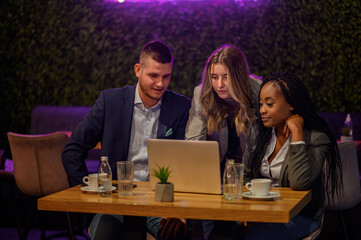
x=195 y=165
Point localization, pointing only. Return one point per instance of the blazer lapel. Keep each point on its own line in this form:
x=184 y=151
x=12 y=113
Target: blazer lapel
x=164 y=116
x=128 y=107
x=283 y=178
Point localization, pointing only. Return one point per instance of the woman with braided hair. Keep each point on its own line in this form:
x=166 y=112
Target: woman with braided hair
x=289 y=143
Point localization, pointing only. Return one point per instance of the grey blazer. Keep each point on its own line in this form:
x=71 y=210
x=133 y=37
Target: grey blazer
x=301 y=169
x=196 y=125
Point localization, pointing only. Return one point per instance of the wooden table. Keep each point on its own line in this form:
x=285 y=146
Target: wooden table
x=185 y=205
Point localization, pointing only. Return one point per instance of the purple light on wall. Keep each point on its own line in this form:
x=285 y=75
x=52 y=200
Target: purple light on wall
x=123 y=1
x=149 y=1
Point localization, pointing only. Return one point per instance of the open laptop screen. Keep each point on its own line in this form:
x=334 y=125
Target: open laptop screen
x=194 y=165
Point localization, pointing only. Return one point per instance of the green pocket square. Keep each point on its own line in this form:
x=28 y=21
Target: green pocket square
x=169 y=132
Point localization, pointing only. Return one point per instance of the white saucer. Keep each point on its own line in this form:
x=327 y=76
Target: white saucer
x=87 y=189
x=271 y=196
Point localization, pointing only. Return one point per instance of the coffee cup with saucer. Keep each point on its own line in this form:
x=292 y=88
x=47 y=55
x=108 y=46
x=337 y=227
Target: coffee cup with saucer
x=259 y=189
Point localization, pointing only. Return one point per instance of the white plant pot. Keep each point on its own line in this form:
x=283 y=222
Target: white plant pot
x=164 y=192
x=346 y=138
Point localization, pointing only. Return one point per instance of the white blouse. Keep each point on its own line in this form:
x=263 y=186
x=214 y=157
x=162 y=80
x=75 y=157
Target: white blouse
x=272 y=170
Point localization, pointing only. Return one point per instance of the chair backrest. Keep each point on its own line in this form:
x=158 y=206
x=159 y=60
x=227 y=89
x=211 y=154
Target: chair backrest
x=38 y=168
x=351 y=191
x=47 y=119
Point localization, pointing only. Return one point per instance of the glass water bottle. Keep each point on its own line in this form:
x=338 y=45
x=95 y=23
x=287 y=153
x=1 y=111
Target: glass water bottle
x=230 y=181
x=104 y=178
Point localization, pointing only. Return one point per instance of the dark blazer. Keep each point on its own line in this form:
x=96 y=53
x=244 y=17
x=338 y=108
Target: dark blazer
x=110 y=121
x=301 y=168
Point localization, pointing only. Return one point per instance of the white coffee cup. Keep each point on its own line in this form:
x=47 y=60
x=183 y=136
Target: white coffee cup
x=259 y=186
x=106 y=181
x=91 y=181
x=103 y=176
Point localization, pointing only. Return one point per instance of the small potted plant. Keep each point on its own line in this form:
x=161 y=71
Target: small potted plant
x=346 y=131
x=345 y=134
x=164 y=190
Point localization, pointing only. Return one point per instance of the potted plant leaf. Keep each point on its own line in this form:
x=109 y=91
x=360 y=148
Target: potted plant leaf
x=164 y=190
x=345 y=134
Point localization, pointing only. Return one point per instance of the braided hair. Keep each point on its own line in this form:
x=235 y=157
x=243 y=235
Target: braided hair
x=297 y=96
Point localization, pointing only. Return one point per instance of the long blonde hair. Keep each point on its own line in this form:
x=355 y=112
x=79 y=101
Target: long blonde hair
x=239 y=88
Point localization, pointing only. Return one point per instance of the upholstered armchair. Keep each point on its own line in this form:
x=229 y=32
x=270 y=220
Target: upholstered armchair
x=38 y=168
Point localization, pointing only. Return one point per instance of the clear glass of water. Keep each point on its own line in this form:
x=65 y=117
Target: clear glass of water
x=125 y=171
x=240 y=171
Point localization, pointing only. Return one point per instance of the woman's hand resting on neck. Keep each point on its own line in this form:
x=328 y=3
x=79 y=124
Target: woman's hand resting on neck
x=294 y=126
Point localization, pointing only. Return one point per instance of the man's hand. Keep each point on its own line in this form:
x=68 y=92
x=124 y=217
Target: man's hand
x=171 y=226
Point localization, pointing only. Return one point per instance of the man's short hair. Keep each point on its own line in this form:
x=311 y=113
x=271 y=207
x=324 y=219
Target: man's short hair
x=158 y=51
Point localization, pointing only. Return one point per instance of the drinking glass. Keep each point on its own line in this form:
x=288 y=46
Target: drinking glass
x=240 y=172
x=125 y=170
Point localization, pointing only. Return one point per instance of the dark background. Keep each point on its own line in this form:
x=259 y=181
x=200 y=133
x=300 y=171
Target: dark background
x=65 y=52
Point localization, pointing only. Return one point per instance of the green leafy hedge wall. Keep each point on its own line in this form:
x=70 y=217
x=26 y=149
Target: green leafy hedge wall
x=65 y=52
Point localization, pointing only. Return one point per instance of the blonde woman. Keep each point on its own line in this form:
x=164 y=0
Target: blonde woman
x=223 y=104
x=223 y=107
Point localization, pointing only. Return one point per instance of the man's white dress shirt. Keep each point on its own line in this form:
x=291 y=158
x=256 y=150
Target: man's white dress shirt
x=144 y=126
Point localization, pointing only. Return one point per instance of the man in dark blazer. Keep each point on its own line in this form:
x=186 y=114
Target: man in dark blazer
x=122 y=120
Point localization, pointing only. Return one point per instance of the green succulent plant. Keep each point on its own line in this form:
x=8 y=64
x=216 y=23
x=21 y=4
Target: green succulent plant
x=162 y=174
